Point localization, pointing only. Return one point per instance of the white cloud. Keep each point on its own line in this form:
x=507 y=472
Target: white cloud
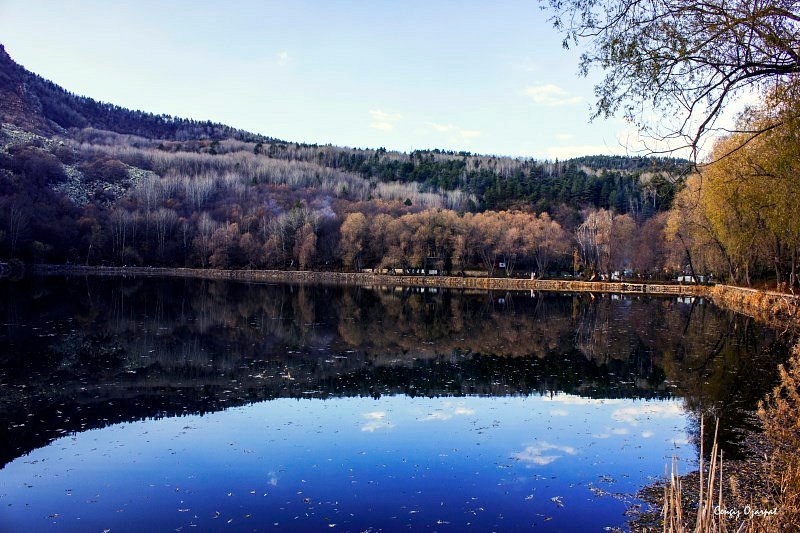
x=551 y=95
x=448 y=412
x=383 y=116
x=677 y=440
x=376 y=420
x=450 y=128
x=564 y=136
x=382 y=120
x=647 y=434
x=443 y=128
x=647 y=411
x=383 y=126
x=580 y=400
x=542 y=453
x=437 y=415
x=283 y=57
x=559 y=412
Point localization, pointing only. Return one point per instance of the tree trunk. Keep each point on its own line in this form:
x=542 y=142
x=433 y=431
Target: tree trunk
x=689 y=258
x=778 y=262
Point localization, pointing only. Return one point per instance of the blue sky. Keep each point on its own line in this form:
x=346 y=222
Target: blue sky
x=488 y=77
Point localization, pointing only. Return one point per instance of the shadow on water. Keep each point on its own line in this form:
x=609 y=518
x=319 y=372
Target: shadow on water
x=77 y=354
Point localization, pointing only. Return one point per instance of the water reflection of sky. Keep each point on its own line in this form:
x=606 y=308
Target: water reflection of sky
x=354 y=463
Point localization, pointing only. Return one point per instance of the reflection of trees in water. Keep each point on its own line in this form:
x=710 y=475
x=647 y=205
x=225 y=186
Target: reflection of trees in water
x=199 y=322
x=210 y=344
x=429 y=324
x=721 y=363
x=609 y=327
x=591 y=329
x=725 y=373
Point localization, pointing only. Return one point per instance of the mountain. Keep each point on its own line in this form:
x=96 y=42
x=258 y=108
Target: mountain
x=40 y=106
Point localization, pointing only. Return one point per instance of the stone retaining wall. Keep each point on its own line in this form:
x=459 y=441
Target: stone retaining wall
x=368 y=279
x=768 y=306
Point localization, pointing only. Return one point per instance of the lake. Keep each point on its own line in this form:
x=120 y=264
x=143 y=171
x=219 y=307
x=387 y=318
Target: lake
x=173 y=404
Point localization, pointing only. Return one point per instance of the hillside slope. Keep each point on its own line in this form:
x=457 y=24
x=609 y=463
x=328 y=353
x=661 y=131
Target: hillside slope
x=90 y=182
x=41 y=106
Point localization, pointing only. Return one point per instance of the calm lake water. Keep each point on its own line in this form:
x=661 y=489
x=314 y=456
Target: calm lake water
x=169 y=404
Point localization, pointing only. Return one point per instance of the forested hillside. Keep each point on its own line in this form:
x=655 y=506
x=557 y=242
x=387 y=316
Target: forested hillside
x=89 y=182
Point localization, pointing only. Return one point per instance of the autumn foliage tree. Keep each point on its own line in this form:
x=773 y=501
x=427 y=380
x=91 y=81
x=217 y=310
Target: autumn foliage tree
x=750 y=190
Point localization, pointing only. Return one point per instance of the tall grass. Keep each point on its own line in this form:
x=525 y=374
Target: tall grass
x=780 y=417
x=676 y=519
x=774 y=505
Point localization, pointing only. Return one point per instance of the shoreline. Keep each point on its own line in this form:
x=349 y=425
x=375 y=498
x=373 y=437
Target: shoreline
x=383 y=280
x=776 y=309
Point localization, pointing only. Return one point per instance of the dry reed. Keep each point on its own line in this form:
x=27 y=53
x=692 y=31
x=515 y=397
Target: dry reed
x=774 y=505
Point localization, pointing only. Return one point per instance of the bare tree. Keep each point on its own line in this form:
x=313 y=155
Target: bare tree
x=206 y=227
x=17 y=223
x=121 y=221
x=684 y=58
x=593 y=237
x=164 y=221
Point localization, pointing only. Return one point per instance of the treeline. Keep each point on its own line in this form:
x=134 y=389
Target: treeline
x=635 y=185
x=89 y=201
x=527 y=182
x=98 y=197
x=102 y=198
x=507 y=242
x=227 y=220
